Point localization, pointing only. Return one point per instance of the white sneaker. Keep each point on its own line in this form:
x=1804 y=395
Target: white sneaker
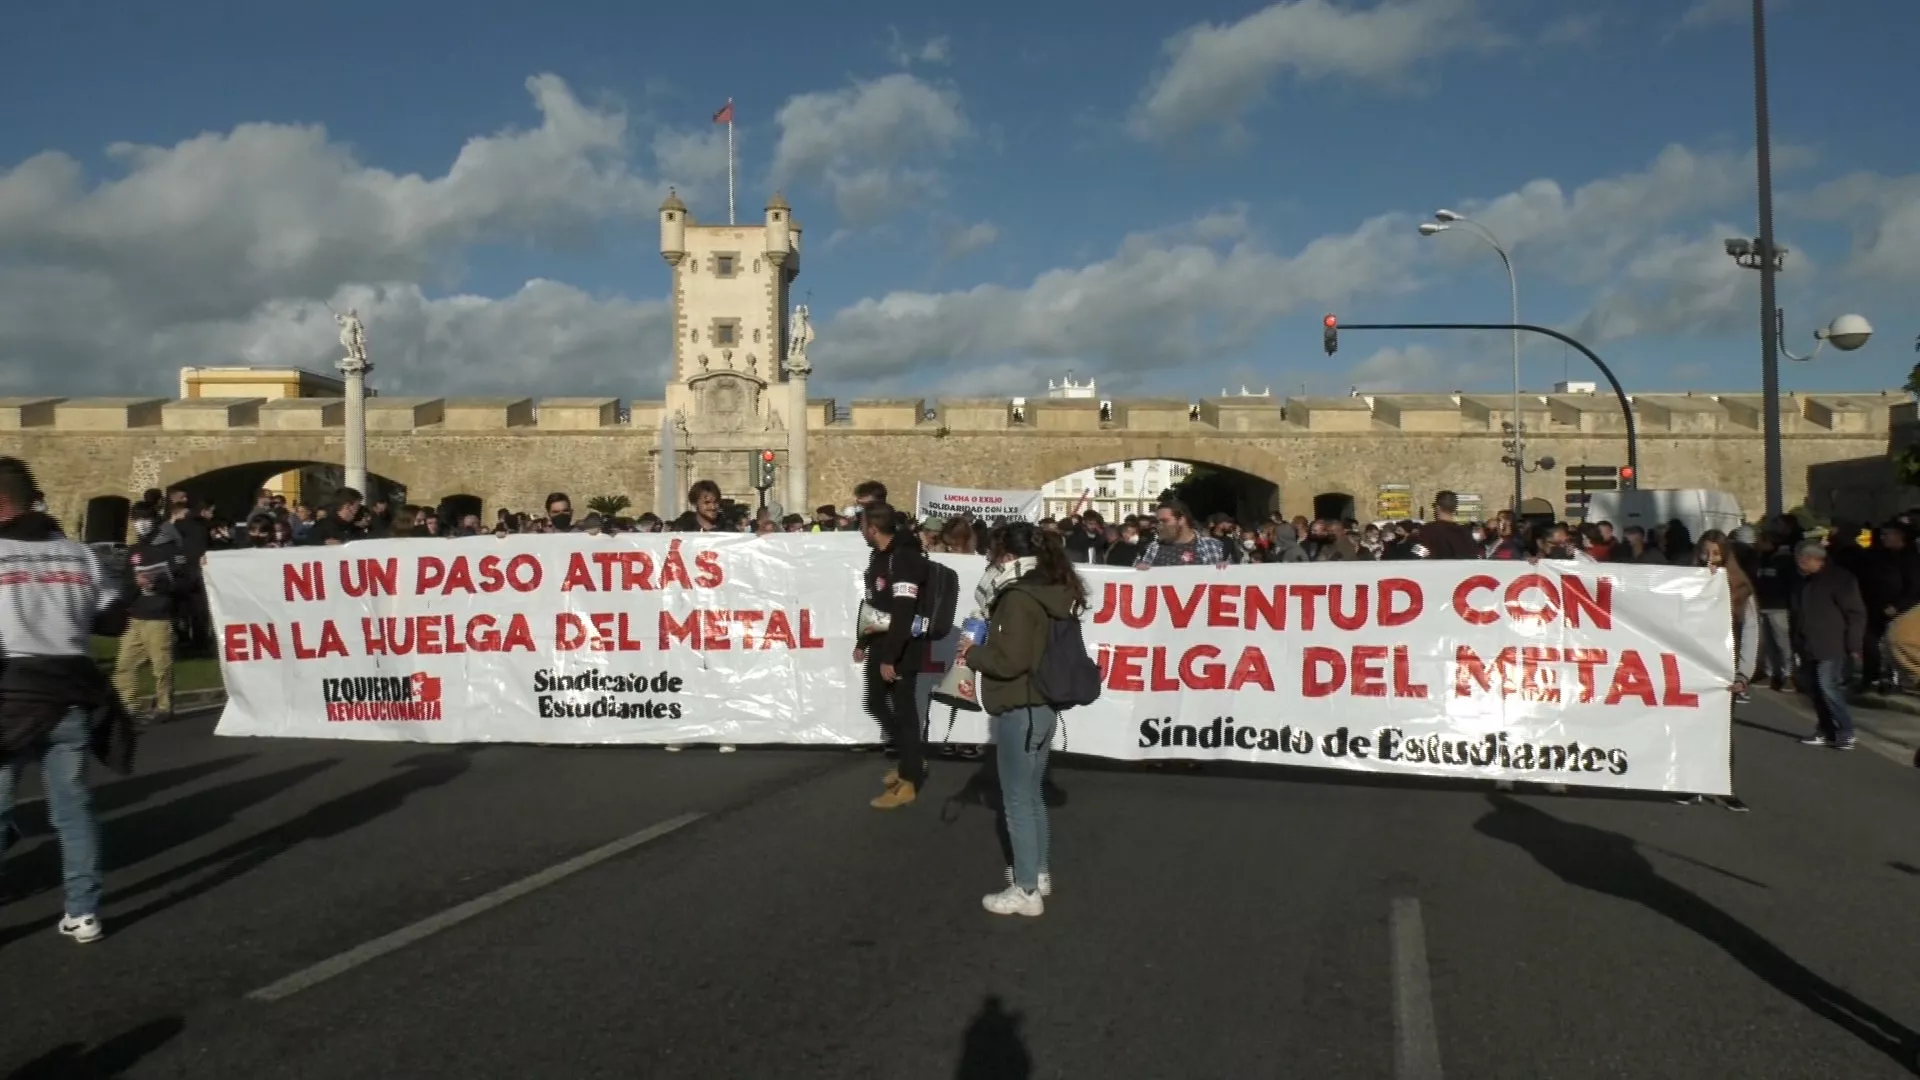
x=674 y=748
x=726 y=749
x=1046 y=881
x=85 y=928
x=1014 y=900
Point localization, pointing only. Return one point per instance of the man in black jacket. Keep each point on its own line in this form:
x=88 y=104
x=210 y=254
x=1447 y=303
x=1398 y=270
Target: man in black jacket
x=1829 y=630
x=1775 y=580
x=894 y=656
x=1890 y=584
x=52 y=694
x=148 y=641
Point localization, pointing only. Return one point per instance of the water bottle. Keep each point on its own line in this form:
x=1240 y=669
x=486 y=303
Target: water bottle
x=975 y=631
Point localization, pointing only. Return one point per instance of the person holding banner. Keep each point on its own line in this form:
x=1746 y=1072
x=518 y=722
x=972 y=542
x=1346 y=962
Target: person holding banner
x=1020 y=717
x=892 y=655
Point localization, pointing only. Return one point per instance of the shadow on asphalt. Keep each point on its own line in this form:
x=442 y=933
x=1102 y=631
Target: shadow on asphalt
x=1904 y=867
x=30 y=819
x=112 y=1058
x=135 y=838
x=1770 y=729
x=329 y=819
x=993 y=1048
x=1612 y=864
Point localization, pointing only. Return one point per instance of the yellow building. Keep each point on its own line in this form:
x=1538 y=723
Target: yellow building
x=270 y=383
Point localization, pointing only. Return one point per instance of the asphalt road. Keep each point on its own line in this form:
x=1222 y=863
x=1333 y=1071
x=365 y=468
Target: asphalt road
x=1252 y=924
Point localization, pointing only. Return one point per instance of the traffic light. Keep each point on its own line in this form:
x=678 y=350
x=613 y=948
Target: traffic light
x=1333 y=334
x=763 y=471
x=1626 y=478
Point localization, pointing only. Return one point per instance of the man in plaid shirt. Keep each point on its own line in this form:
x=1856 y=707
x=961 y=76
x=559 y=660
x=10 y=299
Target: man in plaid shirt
x=1177 y=543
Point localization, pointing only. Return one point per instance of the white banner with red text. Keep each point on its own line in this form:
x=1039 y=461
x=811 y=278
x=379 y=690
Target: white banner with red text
x=1603 y=675
x=937 y=500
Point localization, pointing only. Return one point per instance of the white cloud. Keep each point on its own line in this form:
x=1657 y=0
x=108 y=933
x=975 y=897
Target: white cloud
x=1215 y=73
x=876 y=145
x=1198 y=291
x=1574 y=28
x=971 y=238
x=934 y=50
x=201 y=253
x=1421 y=368
x=1884 y=213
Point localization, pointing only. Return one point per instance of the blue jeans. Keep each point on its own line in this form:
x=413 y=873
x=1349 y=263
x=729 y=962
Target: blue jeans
x=63 y=768
x=1023 y=738
x=1826 y=682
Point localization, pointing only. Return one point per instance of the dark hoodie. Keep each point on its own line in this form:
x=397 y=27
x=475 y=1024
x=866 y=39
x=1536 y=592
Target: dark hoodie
x=1017 y=636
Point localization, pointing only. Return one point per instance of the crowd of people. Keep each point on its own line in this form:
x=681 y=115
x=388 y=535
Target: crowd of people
x=1819 y=612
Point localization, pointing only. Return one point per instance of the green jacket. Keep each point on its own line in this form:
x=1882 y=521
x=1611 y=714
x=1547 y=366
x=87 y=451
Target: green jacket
x=1016 y=637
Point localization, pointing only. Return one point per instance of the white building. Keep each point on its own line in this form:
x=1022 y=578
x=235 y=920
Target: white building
x=1115 y=489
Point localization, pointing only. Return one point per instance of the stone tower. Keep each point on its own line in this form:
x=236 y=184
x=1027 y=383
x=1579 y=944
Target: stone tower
x=730 y=394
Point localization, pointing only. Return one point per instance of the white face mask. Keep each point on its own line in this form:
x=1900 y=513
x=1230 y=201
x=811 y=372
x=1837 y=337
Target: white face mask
x=142 y=528
x=1479 y=536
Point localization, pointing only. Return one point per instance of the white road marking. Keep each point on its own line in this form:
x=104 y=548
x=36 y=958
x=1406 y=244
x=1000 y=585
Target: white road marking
x=1872 y=740
x=1416 y=1038
x=454 y=916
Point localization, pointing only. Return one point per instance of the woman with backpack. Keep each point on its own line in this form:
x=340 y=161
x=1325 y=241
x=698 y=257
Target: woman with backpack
x=1008 y=662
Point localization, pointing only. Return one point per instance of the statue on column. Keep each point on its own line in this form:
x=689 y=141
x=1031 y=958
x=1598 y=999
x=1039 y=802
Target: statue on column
x=353 y=337
x=798 y=338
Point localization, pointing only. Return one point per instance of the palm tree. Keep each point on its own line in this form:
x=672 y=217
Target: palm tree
x=608 y=505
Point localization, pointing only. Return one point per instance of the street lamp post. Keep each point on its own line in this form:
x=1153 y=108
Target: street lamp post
x=1766 y=258
x=1446 y=221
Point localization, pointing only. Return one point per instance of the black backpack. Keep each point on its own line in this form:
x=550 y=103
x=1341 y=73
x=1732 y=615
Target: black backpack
x=938 y=600
x=1067 y=677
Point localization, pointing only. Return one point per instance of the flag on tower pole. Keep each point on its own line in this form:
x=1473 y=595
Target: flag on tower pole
x=725 y=116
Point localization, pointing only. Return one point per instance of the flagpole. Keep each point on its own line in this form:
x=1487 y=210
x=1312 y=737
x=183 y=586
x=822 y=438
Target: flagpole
x=730 y=218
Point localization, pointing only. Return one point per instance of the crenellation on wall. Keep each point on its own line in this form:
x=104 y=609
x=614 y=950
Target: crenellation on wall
x=1849 y=415
x=1347 y=414
x=577 y=413
x=404 y=413
x=976 y=414
x=1588 y=414
x=1418 y=412
x=107 y=414
x=211 y=414
x=486 y=414
x=1679 y=413
x=1064 y=414
x=884 y=414
x=27 y=412
x=302 y=414
x=1243 y=414
x=1164 y=414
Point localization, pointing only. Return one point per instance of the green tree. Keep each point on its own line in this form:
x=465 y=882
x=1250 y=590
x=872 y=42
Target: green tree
x=608 y=505
x=1206 y=491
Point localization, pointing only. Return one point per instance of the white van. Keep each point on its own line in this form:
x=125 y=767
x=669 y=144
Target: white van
x=1696 y=508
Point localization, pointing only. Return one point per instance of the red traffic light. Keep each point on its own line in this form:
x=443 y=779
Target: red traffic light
x=766 y=455
x=1333 y=322
x=1626 y=473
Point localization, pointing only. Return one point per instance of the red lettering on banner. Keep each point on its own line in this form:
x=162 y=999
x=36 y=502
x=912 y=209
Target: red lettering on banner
x=444 y=635
x=303 y=581
x=1141 y=668
x=1235 y=606
x=600 y=631
x=331 y=644
x=1671 y=693
x=1562 y=594
x=1361 y=671
x=241 y=642
x=1630 y=679
x=713 y=630
x=487 y=574
x=370 y=577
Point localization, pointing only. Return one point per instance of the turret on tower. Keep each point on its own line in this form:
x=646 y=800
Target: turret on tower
x=673 y=229
x=779 y=230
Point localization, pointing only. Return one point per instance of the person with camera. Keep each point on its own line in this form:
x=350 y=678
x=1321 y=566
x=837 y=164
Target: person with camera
x=148 y=641
x=1019 y=715
x=891 y=654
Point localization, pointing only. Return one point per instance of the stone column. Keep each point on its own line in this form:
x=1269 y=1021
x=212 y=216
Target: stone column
x=356 y=370
x=797 y=421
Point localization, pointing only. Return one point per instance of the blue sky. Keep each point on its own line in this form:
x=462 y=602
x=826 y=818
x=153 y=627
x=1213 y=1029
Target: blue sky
x=1167 y=199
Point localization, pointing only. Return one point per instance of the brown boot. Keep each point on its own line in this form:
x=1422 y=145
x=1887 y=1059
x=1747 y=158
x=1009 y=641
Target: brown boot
x=898 y=794
x=891 y=778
